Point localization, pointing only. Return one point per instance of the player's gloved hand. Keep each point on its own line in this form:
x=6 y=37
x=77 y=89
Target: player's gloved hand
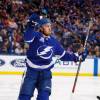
x=33 y=19
x=83 y=55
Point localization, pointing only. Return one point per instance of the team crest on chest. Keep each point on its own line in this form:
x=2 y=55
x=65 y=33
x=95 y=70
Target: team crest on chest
x=45 y=52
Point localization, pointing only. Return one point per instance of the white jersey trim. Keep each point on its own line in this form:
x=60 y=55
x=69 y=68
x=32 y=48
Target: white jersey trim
x=37 y=66
x=60 y=56
x=29 y=41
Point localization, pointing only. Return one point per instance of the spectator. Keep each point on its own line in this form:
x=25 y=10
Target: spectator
x=67 y=13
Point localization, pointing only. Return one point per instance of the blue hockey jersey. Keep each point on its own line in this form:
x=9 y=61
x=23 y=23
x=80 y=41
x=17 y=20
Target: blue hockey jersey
x=42 y=50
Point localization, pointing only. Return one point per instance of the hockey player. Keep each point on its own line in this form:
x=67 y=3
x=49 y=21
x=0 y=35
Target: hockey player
x=42 y=48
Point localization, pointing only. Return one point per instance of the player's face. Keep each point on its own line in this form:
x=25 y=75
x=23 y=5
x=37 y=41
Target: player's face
x=46 y=29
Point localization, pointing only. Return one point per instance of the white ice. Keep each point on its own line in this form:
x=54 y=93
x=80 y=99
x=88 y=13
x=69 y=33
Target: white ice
x=87 y=88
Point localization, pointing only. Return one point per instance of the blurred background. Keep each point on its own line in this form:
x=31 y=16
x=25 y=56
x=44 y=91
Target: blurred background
x=69 y=24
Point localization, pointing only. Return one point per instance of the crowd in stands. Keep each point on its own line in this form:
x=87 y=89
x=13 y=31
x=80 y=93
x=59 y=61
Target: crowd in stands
x=70 y=21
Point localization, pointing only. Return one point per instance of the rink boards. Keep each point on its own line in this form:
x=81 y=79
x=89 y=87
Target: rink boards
x=15 y=65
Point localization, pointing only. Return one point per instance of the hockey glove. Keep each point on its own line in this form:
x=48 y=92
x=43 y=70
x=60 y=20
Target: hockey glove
x=83 y=55
x=33 y=19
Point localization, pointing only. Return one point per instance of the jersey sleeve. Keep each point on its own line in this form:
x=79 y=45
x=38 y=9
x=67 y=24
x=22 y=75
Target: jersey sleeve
x=29 y=35
x=69 y=57
x=59 y=50
x=63 y=55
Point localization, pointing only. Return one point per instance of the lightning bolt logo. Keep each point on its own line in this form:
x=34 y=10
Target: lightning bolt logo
x=45 y=53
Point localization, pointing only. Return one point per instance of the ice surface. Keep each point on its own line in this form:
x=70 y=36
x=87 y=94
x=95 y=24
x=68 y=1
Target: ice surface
x=87 y=88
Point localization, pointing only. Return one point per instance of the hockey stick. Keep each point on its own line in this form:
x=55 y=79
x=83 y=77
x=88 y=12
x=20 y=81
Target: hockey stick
x=80 y=60
x=85 y=44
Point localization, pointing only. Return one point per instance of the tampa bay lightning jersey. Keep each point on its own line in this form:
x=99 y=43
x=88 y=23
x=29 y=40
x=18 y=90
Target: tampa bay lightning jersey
x=42 y=50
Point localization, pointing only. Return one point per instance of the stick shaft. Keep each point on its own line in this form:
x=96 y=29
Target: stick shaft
x=77 y=74
x=85 y=44
x=78 y=70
